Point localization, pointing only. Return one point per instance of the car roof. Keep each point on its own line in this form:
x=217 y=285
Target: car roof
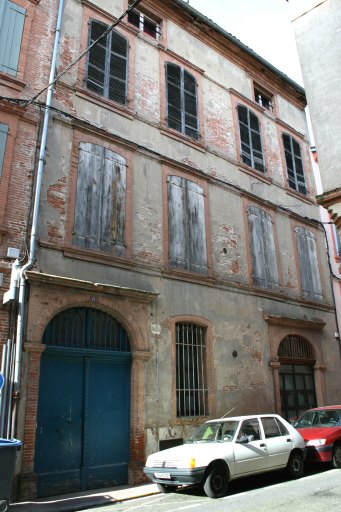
x=324 y=408
x=246 y=417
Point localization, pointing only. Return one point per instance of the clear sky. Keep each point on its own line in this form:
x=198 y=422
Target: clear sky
x=262 y=25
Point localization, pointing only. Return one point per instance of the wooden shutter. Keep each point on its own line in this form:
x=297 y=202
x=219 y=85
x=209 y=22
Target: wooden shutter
x=3 y=140
x=174 y=109
x=113 y=207
x=186 y=224
x=88 y=198
x=176 y=223
x=118 y=67
x=196 y=228
x=100 y=201
x=190 y=106
x=308 y=263
x=264 y=262
x=12 y=18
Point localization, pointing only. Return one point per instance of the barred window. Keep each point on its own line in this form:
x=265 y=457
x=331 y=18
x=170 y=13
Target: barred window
x=191 y=381
x=182 y=110
x=250 y=139
x=107 y=67
x=294 y=164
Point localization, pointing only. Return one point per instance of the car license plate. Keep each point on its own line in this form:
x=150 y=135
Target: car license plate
x=165 y=476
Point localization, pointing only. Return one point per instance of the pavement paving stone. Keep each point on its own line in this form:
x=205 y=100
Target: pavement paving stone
x=83 y=500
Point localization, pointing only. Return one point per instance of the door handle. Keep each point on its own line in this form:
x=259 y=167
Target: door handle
x=289 y=440
x=262 y=445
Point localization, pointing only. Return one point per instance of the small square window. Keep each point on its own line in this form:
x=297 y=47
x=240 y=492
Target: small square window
x=144 y=23
x=264 y=98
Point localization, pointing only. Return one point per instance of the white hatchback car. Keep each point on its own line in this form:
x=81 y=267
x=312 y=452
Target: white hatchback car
x=225 y=449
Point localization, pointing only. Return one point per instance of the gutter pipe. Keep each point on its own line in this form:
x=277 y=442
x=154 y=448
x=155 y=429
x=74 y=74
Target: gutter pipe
x=34 y=230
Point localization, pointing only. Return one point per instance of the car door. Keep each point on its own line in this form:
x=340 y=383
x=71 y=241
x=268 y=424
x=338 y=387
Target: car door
x=278 y=442
x=250 y=454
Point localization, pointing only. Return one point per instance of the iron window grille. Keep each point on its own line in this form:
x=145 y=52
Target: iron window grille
x=144 y=24
x=182 y=108
x=86 y=328
x=250 y=139
x=191 y=385
x=107 y=66
x=294 y=164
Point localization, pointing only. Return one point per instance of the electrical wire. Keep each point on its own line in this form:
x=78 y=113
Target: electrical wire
x=81 y=55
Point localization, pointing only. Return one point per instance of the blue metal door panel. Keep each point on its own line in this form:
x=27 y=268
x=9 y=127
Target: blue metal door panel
x=58 y=452
x=83 y=420
x=107 y=422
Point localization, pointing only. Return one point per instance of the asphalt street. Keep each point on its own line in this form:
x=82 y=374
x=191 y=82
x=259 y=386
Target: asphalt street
x=319 y=491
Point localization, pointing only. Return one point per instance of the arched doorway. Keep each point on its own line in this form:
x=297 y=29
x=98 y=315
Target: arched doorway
x=83 y=423
x=296 y=374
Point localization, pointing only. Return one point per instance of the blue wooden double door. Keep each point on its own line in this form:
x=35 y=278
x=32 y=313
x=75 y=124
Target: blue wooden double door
x=83 y=423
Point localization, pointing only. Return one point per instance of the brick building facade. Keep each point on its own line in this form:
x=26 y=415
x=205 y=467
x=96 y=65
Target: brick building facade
x=181 y=269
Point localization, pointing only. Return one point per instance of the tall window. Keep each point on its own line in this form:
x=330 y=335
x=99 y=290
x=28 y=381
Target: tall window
x=182 y=110
x=250 y=139
x=107 y=67
x=308 y=263
x=12 y=18
x=297 y=384
x=264 y=263
x=294 y=164
x=191 y=386
x=100 y=202
x=186 y=225
x=3 y=140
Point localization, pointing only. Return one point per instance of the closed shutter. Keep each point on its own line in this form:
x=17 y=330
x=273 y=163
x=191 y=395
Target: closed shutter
x=250 y=139
x=113 y=207
x=107 y=69
x=186 y=224
x=3 y=140
x=88 y=198
x=196 y=224
x=12 y=18
x=263 y=252
x=308 y=263
x=100 y=202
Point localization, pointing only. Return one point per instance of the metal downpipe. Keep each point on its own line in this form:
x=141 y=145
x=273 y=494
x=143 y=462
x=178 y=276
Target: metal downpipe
x=34 y=230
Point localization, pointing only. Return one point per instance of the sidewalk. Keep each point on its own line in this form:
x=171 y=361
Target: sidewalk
x=84 y=500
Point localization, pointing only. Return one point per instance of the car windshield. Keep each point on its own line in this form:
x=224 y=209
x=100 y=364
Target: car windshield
x=222 y=431
x=323 y=418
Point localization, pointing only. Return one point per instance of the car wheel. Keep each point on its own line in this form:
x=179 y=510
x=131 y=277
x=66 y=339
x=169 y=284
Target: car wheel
x=166 y=488
x=336 y=460
x=216 y=482
x=295 y=466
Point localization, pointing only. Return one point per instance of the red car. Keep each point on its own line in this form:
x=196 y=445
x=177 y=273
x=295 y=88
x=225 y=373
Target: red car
x=321 y=430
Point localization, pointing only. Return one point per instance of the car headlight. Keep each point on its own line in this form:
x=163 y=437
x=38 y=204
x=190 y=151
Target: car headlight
x=316 y=442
